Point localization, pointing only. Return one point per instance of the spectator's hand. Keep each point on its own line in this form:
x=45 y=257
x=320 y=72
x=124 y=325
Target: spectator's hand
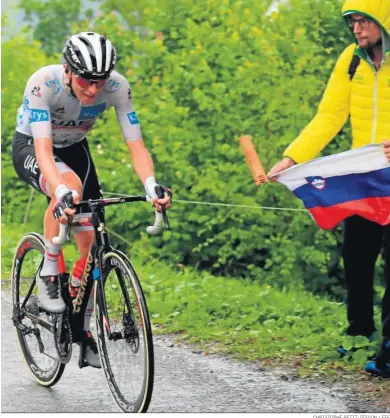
x=386 y=149
x=280 y=166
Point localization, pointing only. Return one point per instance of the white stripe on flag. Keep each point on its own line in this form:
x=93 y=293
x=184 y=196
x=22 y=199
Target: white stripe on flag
x=359 y=160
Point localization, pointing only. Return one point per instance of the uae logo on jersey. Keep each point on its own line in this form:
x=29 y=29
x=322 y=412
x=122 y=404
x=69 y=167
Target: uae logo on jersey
x=36 y=91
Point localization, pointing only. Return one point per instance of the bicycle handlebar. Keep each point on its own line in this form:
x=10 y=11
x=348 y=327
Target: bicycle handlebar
x=63 y=235
x=155 y=229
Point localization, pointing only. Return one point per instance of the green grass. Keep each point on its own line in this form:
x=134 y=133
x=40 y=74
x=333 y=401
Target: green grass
x=250 y=320
x=244 y=319
x=10 y=237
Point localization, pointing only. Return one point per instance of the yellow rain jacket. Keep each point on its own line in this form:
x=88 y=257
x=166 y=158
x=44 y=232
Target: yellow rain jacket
x=366 y=98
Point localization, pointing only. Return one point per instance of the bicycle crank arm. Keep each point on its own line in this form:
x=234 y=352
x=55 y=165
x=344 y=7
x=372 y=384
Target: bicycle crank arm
x=82 y=361
x=39 y=339
x=116 y=335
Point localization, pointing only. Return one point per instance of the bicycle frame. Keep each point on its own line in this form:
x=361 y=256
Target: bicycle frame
x=108 y=273
x=94 y=266
x=92 y=273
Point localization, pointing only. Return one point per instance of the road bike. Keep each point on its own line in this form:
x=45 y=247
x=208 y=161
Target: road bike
x=123 y=328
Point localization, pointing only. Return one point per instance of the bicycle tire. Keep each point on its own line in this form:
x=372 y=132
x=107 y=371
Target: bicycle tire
x=136 y=332
x=28 y=257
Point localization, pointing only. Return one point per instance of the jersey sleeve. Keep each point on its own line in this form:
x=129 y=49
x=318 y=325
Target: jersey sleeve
x=125 y=112
x=37 y=101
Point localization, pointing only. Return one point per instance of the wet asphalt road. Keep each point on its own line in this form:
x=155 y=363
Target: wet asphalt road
x=185 y=381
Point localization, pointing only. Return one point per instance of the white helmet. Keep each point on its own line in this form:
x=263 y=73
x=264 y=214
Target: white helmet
x=90 y=55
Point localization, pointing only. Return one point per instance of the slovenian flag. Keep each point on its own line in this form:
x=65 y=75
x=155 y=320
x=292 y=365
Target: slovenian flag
x=332 y=188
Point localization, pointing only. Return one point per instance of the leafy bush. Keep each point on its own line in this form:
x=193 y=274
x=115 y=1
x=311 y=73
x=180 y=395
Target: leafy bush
x=203 y=73
x=210 y=73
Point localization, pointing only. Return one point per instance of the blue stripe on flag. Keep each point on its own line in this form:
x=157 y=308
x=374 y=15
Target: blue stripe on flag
x=341 y=189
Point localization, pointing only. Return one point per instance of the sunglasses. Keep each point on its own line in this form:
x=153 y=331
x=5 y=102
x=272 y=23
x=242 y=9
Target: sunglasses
x=84 y=82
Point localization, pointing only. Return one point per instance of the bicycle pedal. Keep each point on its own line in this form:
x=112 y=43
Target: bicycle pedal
x=116 y=335
x=82 y=361
x=83 y=364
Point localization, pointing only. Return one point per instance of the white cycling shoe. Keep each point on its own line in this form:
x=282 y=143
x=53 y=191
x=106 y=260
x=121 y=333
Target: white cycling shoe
x=91 y=350
x=50 y=298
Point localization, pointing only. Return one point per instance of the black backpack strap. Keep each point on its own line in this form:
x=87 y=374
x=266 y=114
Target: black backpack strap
x=355 y=61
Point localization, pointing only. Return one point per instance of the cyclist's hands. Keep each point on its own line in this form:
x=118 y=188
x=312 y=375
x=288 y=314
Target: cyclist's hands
x=280 y=166
x=165 y=202
x=160 y=195
x=386 y=149
x=63 y=206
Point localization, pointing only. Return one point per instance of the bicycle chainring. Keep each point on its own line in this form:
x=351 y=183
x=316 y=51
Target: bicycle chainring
x=63 y=337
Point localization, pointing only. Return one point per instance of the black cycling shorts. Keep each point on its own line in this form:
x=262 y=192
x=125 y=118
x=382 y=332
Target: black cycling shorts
x=76 y=158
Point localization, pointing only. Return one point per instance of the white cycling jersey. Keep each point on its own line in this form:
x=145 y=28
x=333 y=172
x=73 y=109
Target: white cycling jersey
x=49 y=110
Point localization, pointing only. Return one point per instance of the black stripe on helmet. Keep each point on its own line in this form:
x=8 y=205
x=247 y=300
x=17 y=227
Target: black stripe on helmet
x=103 y=44
x=91 y=53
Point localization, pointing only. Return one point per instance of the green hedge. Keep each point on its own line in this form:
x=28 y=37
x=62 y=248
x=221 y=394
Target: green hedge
x=203 y=73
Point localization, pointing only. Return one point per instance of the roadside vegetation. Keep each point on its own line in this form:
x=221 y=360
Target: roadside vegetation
x=258 y=285
x=240 y=317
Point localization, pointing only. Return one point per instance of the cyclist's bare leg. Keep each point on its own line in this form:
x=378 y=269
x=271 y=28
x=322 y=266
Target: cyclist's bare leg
x=84 y=241
x=51 y=225
x=47 y=280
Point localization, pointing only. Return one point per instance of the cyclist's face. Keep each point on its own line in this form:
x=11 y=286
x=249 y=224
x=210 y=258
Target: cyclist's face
x=86 y=90
x=367 y=32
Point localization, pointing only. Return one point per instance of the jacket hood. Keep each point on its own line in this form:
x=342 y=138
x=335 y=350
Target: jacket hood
x=377 y=10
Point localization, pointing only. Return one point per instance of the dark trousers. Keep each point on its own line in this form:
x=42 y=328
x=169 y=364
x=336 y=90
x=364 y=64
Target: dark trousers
x=362 y=244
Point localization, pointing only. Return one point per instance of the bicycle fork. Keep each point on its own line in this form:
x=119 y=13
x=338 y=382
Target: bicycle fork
x=103 y=314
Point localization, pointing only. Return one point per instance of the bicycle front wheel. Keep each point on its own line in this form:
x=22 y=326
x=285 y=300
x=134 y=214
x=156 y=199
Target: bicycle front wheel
x=125 y=340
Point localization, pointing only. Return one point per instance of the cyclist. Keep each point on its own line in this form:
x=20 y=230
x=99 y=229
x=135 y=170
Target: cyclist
x=50 y=150
x=366 y=98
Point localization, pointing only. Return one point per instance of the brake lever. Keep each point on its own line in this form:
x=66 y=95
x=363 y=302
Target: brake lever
x=160 y=194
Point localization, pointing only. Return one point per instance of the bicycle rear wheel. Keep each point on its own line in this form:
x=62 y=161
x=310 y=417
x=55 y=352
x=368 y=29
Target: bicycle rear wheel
x=34 y=327
x=125 y=340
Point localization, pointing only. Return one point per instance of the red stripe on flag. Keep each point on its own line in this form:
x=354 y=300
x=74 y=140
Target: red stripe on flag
x=375 y=209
